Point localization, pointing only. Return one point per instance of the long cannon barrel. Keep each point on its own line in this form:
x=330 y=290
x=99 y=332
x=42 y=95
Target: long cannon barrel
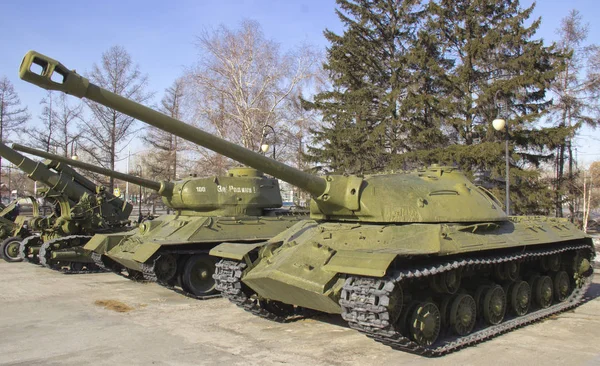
x=157 y=186
x=41 y=173
x=55 y=76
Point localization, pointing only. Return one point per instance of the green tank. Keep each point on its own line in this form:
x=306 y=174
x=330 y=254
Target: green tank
x=14 y=227
x=82 y=209
x=423 y=261
x=242 y=206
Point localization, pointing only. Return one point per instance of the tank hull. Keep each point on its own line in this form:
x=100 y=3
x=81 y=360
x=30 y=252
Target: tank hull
x=181 y=237
x=313 y=266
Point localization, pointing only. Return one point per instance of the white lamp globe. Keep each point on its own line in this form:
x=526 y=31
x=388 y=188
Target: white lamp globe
x=264 y=148
x=499 y=124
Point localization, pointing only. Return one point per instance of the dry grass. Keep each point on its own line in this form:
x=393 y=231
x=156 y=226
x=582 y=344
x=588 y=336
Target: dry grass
x=114 y=305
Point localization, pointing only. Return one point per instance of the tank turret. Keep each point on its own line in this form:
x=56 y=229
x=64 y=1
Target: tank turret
x=433 y=195
x=243 y=191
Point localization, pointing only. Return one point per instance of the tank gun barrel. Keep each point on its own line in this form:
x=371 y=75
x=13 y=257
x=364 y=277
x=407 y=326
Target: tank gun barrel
x=55 y=76
x=157 y=186
x=41 y=173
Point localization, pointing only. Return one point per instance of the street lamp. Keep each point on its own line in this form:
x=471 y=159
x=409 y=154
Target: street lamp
x=74 y=150
x=500 y=125
x=264 y=147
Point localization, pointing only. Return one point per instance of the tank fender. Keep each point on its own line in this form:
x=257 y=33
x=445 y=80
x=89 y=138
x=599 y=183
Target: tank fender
x=102 y=243
x=236 y=251
x=145 y=251
x=361 y=263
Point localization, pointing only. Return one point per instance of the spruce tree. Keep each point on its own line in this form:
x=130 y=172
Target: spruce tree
x=497 y=61
x=361 y=112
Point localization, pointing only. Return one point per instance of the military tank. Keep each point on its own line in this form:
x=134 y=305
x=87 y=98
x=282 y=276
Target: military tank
x=423 y=261
x=242 y=206
x=82 y=209
x=14 y=227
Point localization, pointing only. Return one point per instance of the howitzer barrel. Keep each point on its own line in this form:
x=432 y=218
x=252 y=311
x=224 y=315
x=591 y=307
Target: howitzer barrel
x=93 y=168
x=39 y=172
x=76 y=85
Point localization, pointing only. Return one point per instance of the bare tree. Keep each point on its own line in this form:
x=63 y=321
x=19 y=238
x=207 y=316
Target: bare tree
x=576 y=90
x=243 y=82
x=59 y=132
x=12 y=116
x=163 y=162
x=106 y=132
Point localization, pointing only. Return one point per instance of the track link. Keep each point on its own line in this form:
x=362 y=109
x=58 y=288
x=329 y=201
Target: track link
x=228 y=277
x=364 y=303
x=24 y=246
x=46 y=252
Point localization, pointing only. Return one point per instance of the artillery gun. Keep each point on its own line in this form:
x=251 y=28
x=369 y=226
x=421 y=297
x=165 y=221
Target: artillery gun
x=13 y=228
x=423 y=261
x=243 y=207
x=82 y=209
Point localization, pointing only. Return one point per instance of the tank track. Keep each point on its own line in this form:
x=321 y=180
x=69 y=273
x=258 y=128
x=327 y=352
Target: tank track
x=150 y=275
x=228 y=277
x=23 y=248
x=363 y=303
x=45 y=253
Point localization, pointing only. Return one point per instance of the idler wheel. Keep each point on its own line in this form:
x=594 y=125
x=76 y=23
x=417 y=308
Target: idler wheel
x=494 y=305
x=165 y=267
x=542 y=291
x=463 y=314
x=425 y=323
x=581 y=264
x=9 y=249
x=197 y=275
x=562 y=286
x=520 y=297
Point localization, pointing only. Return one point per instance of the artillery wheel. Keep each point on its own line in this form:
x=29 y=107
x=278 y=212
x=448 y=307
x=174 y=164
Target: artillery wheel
x=197 y=275
x=425 y=323
x=562 y=286
x=520 y=297
x=165 y=267
x=494 y=305
x=542 y=291
x=463 y=314
x=9 y=249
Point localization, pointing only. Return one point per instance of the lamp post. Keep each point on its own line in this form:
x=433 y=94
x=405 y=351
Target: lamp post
x=500 y=125
x=74 y=150
x=139 y=171
x=264 y=147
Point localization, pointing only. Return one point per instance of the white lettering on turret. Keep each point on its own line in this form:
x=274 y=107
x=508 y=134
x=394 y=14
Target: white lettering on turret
x=200 y=189
x=234 y=189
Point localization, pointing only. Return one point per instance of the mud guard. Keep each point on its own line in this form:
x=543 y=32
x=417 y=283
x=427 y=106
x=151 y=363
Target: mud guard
x=102 y=243
x=234 y=251
x=145 y=251
x=360 y=263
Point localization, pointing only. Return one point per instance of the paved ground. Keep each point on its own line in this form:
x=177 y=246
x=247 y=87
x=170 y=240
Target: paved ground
x=49 y=318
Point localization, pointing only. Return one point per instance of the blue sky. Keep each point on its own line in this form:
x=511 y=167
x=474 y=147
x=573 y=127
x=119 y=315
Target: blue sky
x=160 y=35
